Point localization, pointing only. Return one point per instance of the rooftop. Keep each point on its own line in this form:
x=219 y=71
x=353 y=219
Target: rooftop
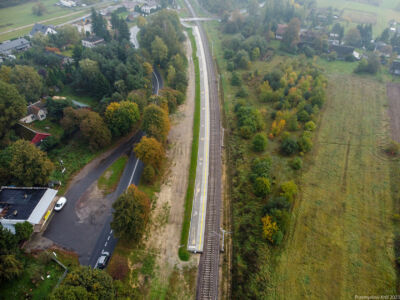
x=40 y=28
x=14 y=45
x=19 y=203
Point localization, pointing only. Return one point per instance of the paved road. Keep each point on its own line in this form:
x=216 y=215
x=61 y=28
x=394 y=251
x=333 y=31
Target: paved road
x=134 y=32
x=84 y=237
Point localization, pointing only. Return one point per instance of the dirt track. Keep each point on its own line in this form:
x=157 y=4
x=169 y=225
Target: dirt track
x=393 y=94
x=166 y=237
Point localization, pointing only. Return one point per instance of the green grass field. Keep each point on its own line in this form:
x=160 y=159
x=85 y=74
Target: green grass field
x=383 y=13
x=110 y=178
x=340 y=242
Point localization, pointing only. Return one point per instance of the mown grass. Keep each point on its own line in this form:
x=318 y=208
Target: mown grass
x=340 y=239
x=24 y=288
x=183 y=252
x=48 y=126
x=384 y=12
x=70 y=94
x=109 y=180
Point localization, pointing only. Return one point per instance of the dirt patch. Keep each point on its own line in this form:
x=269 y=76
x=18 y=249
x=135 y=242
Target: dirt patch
x=92 y=206
x=168 y=214
x=393 y=94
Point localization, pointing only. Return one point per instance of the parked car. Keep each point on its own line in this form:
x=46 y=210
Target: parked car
x=60 y=203
x=103 y=260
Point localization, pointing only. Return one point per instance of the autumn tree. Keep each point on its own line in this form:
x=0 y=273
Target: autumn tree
x=262 y=186
x=131 y=214
x=173 y=97
x=27 y=81
x=150 y=152
x=25 y=165
x=289 y=190
x=122 y=117
x=12 y=107
x=156 y=122
x=139 y=97
x=269 y=228
x=85 y=283
x=95 y=131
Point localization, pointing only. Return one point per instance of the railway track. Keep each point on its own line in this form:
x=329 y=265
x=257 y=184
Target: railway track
x=208 y=273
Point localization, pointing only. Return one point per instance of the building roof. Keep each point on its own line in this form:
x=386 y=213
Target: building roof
x=17 y=44
x=40 y=28
x=33 y=109
x=19 y=203
x=29 y=134
x=395 y=65
x=342 y=50
x=281 y=29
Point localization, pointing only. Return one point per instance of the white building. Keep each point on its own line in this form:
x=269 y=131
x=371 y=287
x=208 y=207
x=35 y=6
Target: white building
x=92 y=41
x=41 y=28
x=68 y=3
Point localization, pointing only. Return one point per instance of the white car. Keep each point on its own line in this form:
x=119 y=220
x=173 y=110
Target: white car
x=60 y=203
x=103 y=260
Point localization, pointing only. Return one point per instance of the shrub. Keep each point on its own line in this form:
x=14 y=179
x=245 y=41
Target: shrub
x=118 y=268
x=235 y=80
x=260 y=142
x=310 y=126
x=149 y=174
x=289 y=146
x=305 y=143
x=296 y=163
x=393 y=148
x=303 y=116
x=289 y=189
x=262 y=187
x=260 y=167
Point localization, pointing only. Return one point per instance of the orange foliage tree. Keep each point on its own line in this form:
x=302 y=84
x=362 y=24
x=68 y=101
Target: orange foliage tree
x=150 y=152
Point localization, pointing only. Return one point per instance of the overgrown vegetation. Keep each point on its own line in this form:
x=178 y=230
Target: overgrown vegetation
x=110 y=178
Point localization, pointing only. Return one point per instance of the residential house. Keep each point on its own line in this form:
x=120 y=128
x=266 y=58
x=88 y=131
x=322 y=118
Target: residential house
x=150 y=7
x=334 y=39
x=383 y=49
x=36 y=112
x=280 y=31
x=92 y=41
x=9 y=47
x=68 y=3
x=41 y=28
x=31 y=204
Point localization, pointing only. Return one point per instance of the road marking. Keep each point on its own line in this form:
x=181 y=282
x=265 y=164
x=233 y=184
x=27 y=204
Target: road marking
x=108 y=238
x=133 y=173
x=105 y=245
x=111 y=231
x=158 y=84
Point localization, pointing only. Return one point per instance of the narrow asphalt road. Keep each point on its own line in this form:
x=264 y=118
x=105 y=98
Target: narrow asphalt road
x=68 y=230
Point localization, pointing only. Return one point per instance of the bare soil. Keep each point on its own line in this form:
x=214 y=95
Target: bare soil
x=171 y=199
x=393 y=94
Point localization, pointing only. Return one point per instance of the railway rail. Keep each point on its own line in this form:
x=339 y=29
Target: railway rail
x=208 y=273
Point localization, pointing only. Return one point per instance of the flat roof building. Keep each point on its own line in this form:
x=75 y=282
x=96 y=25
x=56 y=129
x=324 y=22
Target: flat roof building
x=20 y=204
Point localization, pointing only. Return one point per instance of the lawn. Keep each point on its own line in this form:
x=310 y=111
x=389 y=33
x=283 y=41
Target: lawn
x=21 y=15
x=70 y=94
x=340 y=242
x=109 y=180
x=24 y=288
x=48 y=126
x=382 y=13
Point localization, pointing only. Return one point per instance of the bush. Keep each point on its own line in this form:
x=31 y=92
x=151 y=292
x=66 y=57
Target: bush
x=305 y=143
x=118 y=268
x=260 y=142
x=310 y=126
x=260 y=167
x=296 y=163
x=235 y=80
x=277 y=237
x=289 y=190
x=149 y=174
x=23 y=231
x=303 y=116
x=393 y=148
x=262 y=187
x=289 y=146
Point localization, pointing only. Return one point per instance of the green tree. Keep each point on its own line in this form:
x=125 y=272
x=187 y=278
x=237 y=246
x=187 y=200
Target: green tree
x=262 y=187
x=12 y=107
x=85 y=283
x=353 y=37
x=27 y=81
x=150 y=152
x=296 y=163
x=159 y=50
x=131 y=214
x=122 y=117
x=289 y=190
x=156 y=122
x=10 y=267
x=23 y=231
x=39 y=9
x=27 y=165
x=289 y=146
x=260 y=142
x=305 y=143
x=291 y=37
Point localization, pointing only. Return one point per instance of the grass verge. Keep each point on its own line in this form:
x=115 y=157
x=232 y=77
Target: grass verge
x=108 y=181
x=183 y=253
